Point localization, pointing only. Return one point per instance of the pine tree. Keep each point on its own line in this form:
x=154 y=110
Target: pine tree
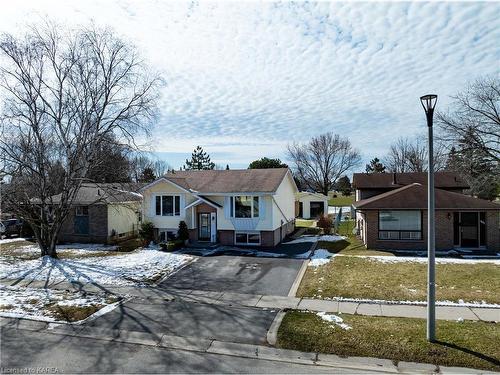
x=375 y=166
x=227 y=167
x=200 y=160
x=147 y=175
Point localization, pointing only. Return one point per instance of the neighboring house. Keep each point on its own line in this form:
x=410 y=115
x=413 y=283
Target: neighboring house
x=102 y=213
x=242 y=207
x=311 y=205
x=391 y=213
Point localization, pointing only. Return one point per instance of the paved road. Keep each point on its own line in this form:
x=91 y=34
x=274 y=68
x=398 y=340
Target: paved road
x=27 y=349
x=241 y=274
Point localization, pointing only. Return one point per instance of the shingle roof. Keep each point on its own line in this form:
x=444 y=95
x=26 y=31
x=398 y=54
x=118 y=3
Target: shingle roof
x=414 y=196
x=229 y=181
x=444 y=180
x=92 y=193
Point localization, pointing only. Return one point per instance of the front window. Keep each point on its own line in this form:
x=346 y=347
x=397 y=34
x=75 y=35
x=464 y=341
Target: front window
x=242 y=238
x=82 y=211
x=167 y=205
x=245 y=206
x=400 y=225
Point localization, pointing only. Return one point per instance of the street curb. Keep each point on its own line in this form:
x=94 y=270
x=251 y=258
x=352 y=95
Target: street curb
x=296 y=283
x=252 y=351
x=272 y=333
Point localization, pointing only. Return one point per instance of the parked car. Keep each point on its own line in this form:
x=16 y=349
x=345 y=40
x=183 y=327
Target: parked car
x=11 y=227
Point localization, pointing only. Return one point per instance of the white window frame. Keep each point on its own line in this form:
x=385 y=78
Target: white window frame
x=247 y=234
x=174 y=205
x=252 y=214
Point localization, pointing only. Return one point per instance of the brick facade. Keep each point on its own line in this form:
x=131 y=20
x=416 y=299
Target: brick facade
x=98 y=226
x=368 y=220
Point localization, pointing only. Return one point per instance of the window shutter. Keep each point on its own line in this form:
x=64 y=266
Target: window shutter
x=227 y=207
x=262 y=207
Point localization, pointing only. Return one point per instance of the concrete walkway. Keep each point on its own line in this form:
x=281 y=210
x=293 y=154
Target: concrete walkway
x=281 y=302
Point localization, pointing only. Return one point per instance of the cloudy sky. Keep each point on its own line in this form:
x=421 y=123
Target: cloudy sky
x=246 y=78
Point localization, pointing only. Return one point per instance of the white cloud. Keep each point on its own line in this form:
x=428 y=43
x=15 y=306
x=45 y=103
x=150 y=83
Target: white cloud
x=243 y=79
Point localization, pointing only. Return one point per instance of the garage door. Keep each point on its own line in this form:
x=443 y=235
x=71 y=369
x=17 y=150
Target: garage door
x=317 y=209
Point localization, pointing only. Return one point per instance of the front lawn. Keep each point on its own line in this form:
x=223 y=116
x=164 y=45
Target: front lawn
x=392 y=278
x=305 y=223
x=51 y=305
x=349 y=246
x=461 y=344
x=341 y=200
x=88 y=263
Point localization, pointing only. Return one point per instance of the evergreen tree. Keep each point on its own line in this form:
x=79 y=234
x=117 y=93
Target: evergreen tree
x=147 y=175
x=264 y=163
x=200 y=160
x=227 y=167
x=344 y=185
x=375 y=166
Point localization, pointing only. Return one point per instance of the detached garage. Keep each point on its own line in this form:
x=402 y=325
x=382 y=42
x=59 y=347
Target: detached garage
x=310 y=205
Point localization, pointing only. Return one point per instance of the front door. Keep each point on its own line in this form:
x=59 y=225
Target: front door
x=466 y=229
x=204 y=227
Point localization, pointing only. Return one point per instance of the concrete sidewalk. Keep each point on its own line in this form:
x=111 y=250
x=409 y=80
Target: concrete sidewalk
x=233 y=349
x=488 y=314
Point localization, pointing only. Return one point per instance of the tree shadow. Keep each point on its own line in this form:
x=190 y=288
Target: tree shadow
x=482 y=356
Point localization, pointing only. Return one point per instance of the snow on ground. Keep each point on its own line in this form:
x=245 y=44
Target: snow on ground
x=31 y=303
x=313 y=238
x=320 y=258
x=397 y=259
x=66 y=248
x=10 y=240
x=334 y=320
x=126 y=269
x=460 y=303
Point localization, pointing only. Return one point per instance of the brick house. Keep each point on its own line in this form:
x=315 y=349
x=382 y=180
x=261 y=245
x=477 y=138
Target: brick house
x=391 y=213
x=102 y=213
x=252 y=207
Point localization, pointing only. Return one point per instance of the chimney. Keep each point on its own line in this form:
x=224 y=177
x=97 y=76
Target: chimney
x=394 y=178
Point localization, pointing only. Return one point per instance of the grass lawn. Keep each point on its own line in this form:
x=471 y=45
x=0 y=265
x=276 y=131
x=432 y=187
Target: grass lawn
x=304 y=223
x=464 y=344
x=351 y=245
x=341 y=200
x=355 y=277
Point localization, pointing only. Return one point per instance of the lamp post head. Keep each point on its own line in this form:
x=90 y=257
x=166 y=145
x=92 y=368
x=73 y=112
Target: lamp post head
x=428 y=102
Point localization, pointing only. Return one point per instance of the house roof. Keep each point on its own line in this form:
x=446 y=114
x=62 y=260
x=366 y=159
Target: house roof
x=94 y=193
x=414 y=196
x=444 y=180
x=304 y=193
x=229 y=181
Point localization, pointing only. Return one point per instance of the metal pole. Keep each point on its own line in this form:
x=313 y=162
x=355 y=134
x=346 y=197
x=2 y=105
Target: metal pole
x=431 y=277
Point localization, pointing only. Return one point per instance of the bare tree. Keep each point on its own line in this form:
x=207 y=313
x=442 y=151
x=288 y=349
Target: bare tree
x=475 y=114
x=64 y=94
x=319 y=163
x=410 y=155
x=160 y=167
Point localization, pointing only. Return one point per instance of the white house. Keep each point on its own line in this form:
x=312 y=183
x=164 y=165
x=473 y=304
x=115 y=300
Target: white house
x=311 y=205
x=241 y=207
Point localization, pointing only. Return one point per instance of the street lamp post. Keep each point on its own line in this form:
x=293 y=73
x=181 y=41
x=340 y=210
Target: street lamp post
x=429 y=102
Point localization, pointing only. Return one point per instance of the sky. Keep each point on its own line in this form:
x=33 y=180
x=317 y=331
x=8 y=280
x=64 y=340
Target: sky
x=244 y=79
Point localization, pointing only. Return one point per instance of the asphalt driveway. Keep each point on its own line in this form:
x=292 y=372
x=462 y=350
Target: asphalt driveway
x=190 y=319
x=239 y=274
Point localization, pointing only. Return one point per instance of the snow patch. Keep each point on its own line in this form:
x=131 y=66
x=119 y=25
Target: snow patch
x=33 y=303
x=398 y=259
x=320 y=258
x=10 y=240
x=334 y=320
x=118 y=270
x=313 y=238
